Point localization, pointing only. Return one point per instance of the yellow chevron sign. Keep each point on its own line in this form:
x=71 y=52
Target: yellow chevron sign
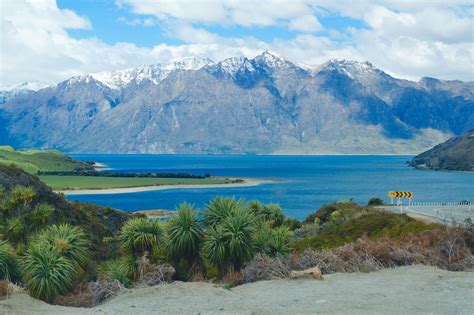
x=400 y=194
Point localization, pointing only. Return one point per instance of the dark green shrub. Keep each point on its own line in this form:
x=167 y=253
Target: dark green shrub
x=292 y=223
x=375 y=201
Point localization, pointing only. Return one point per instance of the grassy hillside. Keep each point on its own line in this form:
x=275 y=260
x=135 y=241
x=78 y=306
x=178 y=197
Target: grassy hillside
x=58 y=182
x=33 y=161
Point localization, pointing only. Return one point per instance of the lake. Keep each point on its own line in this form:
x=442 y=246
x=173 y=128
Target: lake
x=308 y=181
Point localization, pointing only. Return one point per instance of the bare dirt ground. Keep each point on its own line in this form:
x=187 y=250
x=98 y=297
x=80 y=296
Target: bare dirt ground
x=403 y=290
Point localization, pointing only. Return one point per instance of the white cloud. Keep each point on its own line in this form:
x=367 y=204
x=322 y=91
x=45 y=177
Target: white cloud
x=305 y=23
x=404 y=38
x=148 y=22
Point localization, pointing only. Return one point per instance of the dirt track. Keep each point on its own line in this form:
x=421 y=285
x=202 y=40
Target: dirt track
x=404 y=290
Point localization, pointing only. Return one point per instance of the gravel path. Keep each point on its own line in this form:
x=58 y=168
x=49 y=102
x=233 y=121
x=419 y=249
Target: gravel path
x=404 y=290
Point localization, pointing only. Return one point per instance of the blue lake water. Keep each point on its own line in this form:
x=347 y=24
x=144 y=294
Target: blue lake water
x=309 y=181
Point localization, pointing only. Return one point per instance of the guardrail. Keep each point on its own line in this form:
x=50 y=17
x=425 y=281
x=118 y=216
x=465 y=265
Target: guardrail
x=442 y=211
x=441 y=203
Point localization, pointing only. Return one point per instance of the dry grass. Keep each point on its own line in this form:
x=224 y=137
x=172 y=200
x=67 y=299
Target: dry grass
x=90 y=294
x=155 y=274
x=448 y=248
x=262 y=267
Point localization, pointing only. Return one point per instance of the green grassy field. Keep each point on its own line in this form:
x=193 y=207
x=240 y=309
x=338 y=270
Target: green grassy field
x=32 y=161
x=91 y=182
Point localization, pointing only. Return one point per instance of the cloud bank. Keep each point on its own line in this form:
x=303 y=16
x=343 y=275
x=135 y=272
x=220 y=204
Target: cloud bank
x=408 y=39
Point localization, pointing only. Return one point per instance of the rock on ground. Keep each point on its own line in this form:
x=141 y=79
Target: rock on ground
x=403 y=290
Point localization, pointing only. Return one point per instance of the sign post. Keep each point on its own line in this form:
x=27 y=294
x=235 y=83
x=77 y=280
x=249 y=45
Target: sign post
x=399 y=195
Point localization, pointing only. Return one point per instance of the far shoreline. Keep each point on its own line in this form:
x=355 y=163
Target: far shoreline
x=247 y=182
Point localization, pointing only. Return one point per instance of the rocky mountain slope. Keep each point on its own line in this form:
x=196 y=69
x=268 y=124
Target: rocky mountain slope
x=262 y=105
x=456 y=154
x=10 y=92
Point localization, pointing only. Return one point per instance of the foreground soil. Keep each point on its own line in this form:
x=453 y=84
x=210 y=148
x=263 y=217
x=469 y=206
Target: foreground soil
x=403 y=290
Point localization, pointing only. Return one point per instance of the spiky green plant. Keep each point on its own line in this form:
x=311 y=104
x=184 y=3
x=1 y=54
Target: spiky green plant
x=139 y=235
x=238 y=234
x=184 y=234
x=220 y=208
x=21 y=195
x=262 y=237
x=214 y=248
x=46 y=273
x=70 y=241
x=280 y=241
x=115 y=270
x=8 y=262
x=132 y=265
x=271 y=213
x=40 y=214
x=15 y=229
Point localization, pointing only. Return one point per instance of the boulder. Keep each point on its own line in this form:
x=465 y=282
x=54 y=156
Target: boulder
x=311 y=273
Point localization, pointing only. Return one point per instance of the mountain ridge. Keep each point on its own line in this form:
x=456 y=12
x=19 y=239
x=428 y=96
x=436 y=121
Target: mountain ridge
x=266 y=104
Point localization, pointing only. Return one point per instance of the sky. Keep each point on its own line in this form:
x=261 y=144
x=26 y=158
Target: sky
x=50 y=41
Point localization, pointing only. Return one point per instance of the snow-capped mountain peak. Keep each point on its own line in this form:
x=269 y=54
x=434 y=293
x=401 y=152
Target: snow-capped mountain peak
x=155 y=73
x=272 y=59
x=26 y=86
x=349 y=67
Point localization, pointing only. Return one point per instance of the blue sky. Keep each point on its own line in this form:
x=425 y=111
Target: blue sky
x=114 y=23
x=49 y=40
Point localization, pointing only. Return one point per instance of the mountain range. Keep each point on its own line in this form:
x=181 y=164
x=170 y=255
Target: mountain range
x=264 y=105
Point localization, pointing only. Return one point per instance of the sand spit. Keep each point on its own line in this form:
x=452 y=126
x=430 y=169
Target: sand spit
x=403 y=290
x=248 y=182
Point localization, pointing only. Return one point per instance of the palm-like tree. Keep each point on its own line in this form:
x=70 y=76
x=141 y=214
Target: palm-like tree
x=46 y=272
x=271 y=213
x=220 y=208
x=8 y=262
x=139 y=235
x=238 y=234
x=70 y=241
x=214 y=248
x=230 y=243
x=184 y=234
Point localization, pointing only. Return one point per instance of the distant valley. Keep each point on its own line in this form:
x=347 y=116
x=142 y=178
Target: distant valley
x=264 y=105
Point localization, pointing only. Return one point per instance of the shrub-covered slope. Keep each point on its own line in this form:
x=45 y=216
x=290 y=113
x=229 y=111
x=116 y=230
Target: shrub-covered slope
x=456 y=154
x=26 y=193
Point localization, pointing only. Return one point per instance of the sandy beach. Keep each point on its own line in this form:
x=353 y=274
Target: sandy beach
x=248 y=182
x=403 y=290
x=101 y=167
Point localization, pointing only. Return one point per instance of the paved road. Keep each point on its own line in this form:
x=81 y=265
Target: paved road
x=457 y=213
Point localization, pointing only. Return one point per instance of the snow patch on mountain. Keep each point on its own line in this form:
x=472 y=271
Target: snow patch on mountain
x=154 y=73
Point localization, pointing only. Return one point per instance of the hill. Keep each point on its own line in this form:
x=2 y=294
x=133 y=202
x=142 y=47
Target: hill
x=34 y=161
x=267 y=104
x=456 y=154
x=98 y=222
